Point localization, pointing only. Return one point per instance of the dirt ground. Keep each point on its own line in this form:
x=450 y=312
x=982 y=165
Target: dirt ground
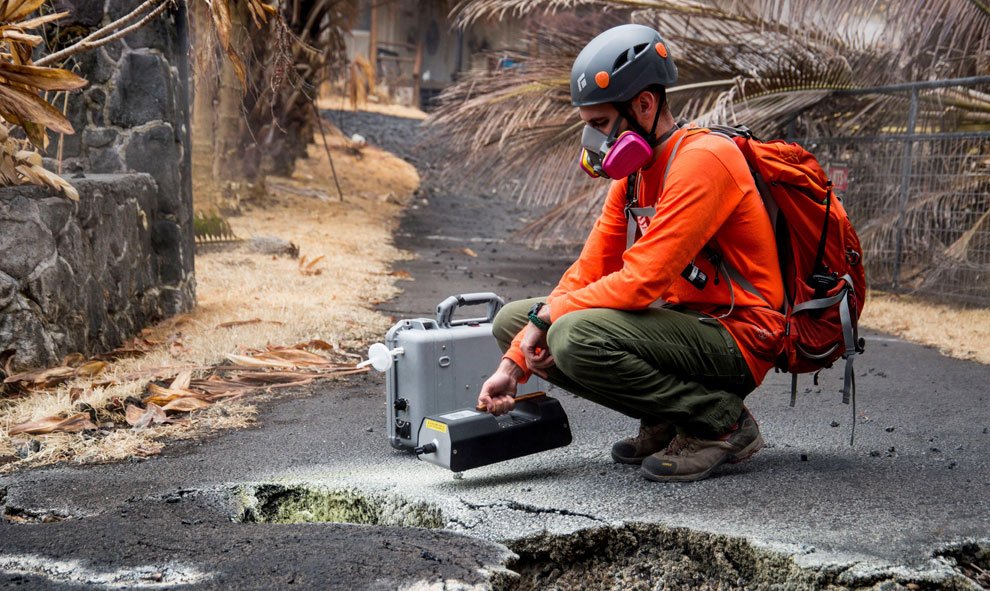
x=372 y=105
x=957 y=331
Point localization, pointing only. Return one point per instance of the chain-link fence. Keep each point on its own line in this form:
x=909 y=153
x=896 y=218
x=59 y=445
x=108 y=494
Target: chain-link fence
x=919 y=195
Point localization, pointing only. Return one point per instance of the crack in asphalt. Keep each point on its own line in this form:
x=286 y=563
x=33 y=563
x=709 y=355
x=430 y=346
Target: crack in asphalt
x=464 y=524
x=533 y=509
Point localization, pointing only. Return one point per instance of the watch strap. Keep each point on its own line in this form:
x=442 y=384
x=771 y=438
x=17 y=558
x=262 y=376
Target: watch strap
x=535 y=319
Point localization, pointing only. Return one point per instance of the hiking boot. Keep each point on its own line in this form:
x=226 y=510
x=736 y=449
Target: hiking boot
x=651 y=439
x=692 y=458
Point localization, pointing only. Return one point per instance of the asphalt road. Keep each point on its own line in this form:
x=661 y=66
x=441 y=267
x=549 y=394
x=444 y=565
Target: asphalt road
x=807 y=512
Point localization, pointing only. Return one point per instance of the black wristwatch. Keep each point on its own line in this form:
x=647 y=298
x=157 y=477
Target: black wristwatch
x=535 y=319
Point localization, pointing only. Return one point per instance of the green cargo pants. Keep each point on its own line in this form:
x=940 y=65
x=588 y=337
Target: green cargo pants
x=658 y=364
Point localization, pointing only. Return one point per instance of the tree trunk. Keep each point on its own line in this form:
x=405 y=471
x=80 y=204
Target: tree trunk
x=242 y=135
x=207 y=193
x=229 y=100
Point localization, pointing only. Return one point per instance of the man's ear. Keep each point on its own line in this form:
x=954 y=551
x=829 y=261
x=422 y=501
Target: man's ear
x=644 y=103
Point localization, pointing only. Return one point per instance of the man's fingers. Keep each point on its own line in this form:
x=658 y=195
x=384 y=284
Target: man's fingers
x=501 y=405
x=544 y=362
x=537 y=360
x=531 y=354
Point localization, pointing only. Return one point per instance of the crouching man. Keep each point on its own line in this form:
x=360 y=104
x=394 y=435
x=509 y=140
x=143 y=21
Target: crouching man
x=647 y=321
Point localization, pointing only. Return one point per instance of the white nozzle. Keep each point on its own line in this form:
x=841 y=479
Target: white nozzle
x=381 y=357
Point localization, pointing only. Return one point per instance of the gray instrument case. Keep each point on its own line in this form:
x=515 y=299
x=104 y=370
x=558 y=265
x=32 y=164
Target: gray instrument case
x=442 y=364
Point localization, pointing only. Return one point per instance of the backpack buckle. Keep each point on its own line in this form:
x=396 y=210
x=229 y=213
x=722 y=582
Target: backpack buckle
x=823 y=283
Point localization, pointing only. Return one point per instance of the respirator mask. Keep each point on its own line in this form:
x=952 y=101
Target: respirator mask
x=618 y=155
x=611 y=156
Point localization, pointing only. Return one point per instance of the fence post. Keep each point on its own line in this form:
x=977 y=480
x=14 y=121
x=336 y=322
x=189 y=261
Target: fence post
x=906 y=166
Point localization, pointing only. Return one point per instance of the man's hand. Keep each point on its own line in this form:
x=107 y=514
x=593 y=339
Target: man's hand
x=499 y=391
x=534 y=349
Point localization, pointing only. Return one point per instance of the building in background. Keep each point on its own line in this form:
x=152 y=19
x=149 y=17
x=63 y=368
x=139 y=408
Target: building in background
x=420 y=51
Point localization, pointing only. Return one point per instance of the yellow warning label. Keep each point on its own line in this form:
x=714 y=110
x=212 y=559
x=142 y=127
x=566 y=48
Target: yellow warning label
x=436 y=425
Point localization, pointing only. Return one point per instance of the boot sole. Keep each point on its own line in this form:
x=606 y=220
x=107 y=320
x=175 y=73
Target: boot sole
x=627 y=460
x=635 y=460
x=743 y=455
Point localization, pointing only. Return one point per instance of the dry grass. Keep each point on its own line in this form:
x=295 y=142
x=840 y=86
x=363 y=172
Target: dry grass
x=331 y=98
x=958 y=332
x=332 y=302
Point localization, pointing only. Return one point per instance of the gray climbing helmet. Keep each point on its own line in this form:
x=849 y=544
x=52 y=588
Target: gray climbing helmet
x=619 y=63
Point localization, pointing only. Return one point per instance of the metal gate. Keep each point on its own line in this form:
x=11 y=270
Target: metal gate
x=918 y=195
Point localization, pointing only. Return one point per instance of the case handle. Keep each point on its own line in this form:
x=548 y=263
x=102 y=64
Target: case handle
x=445 y=310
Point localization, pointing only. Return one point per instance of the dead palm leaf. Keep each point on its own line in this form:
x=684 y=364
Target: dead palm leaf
x=72 y=424
x=142 y=418
x=15 y=10
x=20 y=102
x=220 y=12
x=40 y=77
x=41 y=379
x=186 y=404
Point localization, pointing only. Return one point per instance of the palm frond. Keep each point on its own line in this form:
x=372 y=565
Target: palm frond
x=468 y=12
x=768 y=64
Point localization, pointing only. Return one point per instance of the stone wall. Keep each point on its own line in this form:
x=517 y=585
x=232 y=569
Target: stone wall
x=82 y=277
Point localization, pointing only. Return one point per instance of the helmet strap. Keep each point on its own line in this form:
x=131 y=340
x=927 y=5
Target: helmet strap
x=614 y=132
x=667 y=135
x=650 y=136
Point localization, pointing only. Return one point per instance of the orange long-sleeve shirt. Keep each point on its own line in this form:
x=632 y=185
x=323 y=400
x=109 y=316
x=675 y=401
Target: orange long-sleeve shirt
x=709 y=198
